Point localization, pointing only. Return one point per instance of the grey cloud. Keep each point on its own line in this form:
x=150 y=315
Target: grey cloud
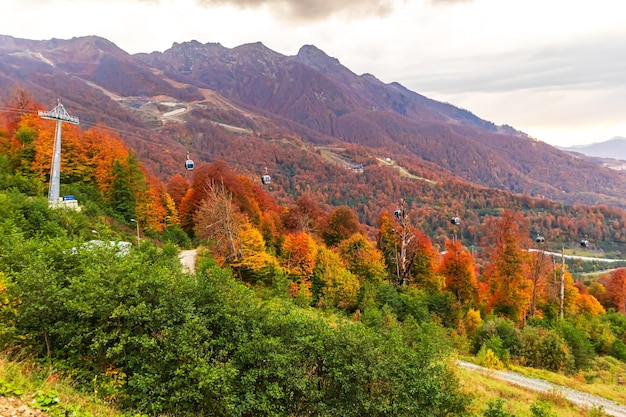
x=592 y=64
x=310 y=10
x=448 y=2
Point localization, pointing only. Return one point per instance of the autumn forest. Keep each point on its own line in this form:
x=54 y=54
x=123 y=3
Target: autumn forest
x=325 y=285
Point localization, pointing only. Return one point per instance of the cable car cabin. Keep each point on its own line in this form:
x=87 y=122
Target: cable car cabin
x=540 y=239
x=266 y=179
x=455 y=221
x=584 y=243
x=188 y=163
x=398 y=213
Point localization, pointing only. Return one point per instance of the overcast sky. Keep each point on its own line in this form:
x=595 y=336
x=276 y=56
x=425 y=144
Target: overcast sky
x=555 y=69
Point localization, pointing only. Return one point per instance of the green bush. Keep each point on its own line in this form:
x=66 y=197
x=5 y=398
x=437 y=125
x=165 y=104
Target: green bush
x=495 y=408
x=618 y=350
x=164 y=342
x=545 y=349
x=579 y=345
x=176 y=235
x=542 y=409
x=504 y=330
x=9 y=389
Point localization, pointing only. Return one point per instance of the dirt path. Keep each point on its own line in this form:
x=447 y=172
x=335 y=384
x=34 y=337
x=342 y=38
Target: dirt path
x=610 y=408
x=188 y=259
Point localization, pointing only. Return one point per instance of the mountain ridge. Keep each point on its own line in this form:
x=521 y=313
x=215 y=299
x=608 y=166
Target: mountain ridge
x=310 y=98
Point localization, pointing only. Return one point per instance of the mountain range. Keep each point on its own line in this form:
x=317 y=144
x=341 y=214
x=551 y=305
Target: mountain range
x=614 y=148
x=302 y=118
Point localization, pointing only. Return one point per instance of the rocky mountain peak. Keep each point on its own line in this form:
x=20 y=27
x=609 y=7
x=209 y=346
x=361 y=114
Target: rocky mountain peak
x=314 y=57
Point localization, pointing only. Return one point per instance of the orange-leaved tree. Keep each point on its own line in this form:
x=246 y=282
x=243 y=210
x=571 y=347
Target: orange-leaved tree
x=616 y=289
x=540 y=268
x=177 y=187
x=243 y=194
x=298 y=254
x=424 y=263
x=506 y=274
x=305 y=215
x=457 y=266
x=151 y=205
x=102 y=152
x=587 y=303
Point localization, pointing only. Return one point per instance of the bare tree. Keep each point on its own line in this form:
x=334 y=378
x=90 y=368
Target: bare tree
x=406 y=235
x=218 y=221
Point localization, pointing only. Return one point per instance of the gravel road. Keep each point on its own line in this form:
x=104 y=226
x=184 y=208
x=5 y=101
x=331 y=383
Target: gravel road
x=610 y=408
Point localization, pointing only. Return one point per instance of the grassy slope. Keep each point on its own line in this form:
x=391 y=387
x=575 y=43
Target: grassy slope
x=602 y=381
x=30 y=379
x=517 y=400
x=25 y=380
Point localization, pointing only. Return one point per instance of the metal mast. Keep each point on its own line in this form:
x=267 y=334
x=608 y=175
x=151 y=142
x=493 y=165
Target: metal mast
x=562 y=292
x=60 y=115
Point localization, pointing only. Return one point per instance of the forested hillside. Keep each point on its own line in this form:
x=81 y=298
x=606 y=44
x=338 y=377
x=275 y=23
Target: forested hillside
x=145 y=336
x=299 y=171
x=296 y=308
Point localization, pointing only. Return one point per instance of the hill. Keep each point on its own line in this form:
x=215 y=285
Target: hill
x=614 y=148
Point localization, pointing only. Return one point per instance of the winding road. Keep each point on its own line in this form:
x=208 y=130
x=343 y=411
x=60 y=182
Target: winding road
x=583 y=399
x=584 y=258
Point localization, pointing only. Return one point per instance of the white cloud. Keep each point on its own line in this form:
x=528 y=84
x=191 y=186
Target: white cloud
x=542 y=66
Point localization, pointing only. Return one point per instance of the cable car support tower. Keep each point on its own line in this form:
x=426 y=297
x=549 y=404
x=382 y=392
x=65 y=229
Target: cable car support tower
x=60 y=115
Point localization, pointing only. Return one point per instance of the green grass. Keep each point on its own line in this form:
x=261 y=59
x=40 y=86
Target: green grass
x=517 y=400
x=601 y=380
x=605 y=378
x=34 y=384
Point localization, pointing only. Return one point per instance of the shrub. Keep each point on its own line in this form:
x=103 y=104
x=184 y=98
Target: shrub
x=488 y=359
x=495 y=408
x=504 y=330
x=579 y=345
x=542 y=409
x=175 y=234
x=618 y=350
x=545 y=349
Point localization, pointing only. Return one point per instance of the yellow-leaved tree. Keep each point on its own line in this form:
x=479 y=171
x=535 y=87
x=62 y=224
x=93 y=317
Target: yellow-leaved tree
x=334 y=284
x=363 y=259
x=255 y=263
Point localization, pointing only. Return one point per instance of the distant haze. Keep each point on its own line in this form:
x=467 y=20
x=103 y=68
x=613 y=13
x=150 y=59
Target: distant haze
x=613 y=148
